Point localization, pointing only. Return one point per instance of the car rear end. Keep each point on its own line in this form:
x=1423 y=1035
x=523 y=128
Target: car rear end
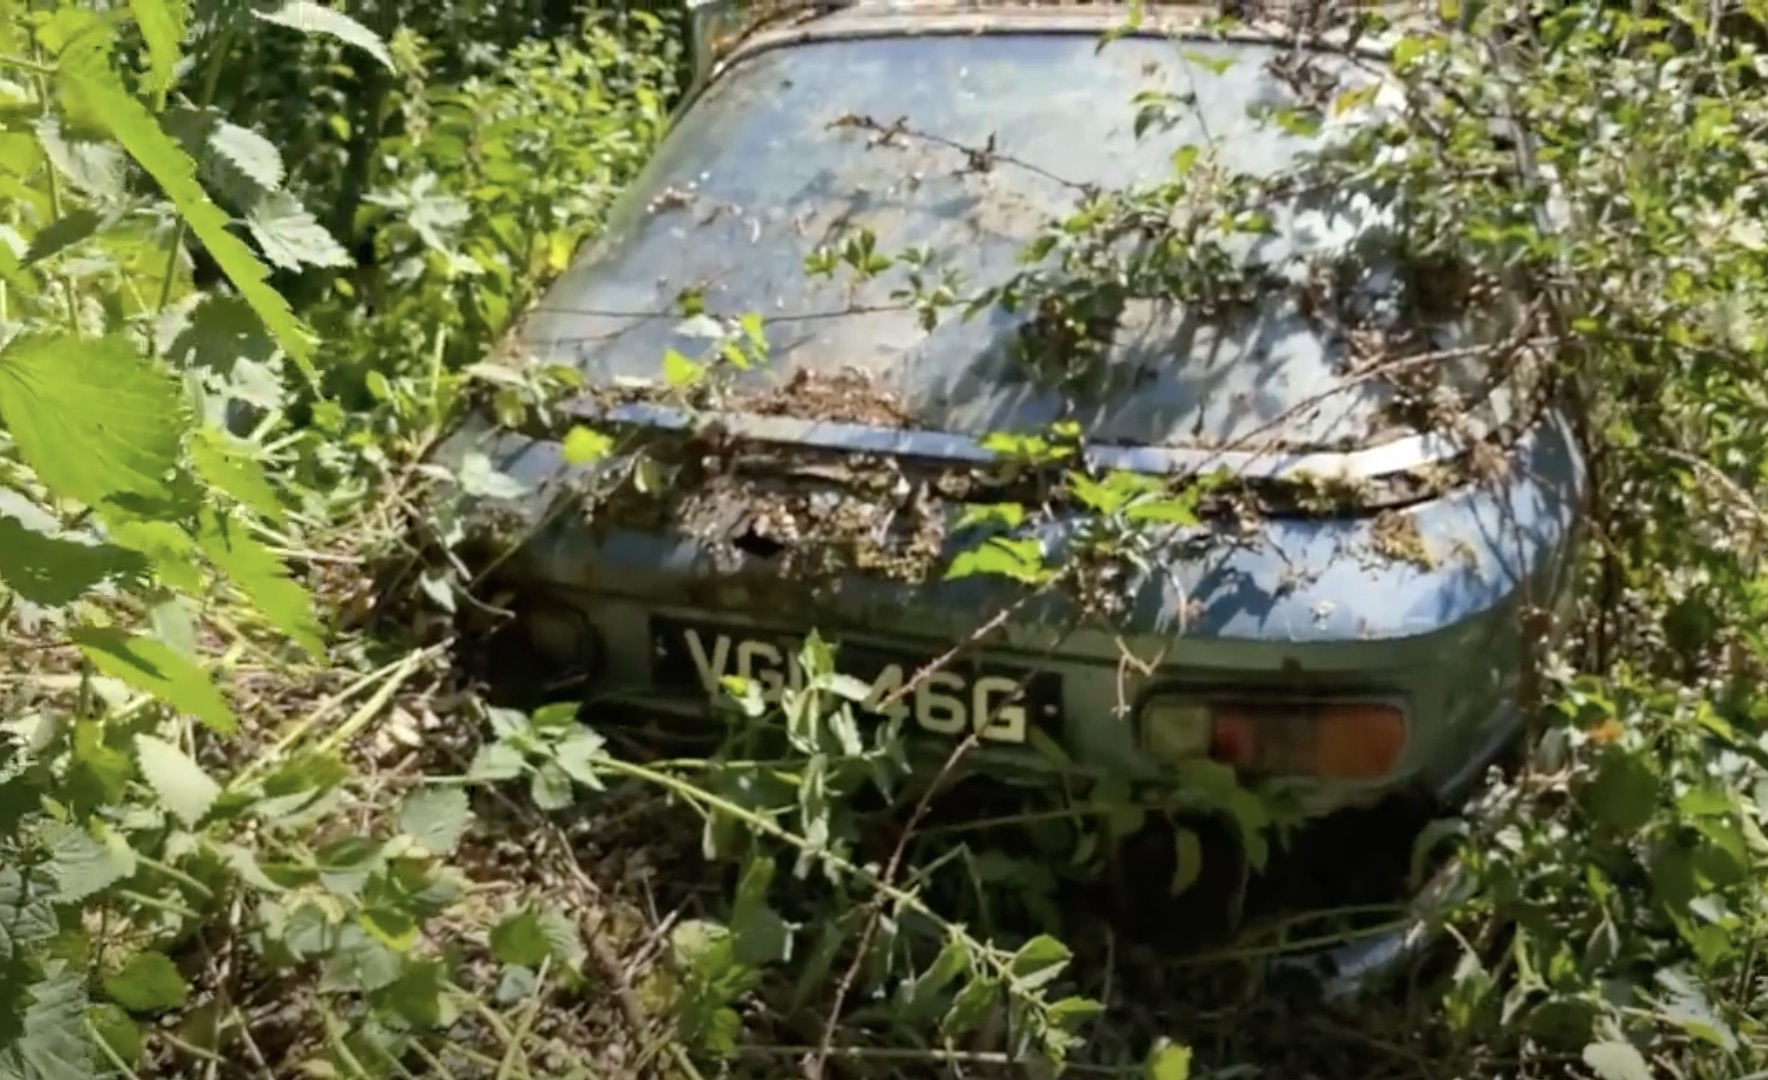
x=1344 y=650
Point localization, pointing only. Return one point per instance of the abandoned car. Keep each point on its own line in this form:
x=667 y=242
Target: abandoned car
x=1347 y=650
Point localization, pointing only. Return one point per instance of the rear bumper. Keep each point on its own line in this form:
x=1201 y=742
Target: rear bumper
x=1362 y=965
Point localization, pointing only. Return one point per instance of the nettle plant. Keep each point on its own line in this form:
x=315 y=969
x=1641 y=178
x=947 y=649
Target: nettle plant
x=141 y=556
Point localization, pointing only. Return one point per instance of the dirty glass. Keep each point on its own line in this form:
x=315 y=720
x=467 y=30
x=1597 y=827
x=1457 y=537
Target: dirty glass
x=754 y=178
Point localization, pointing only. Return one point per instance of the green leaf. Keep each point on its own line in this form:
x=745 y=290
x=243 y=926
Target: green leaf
x=234 y=471
x=162 y=30
x=150 y=664
x=1624 y=794
x=27 y=916
x=79 y=864
x=550 y=787
x=565 y=938
x=1617 y=1061
x=149 y=982
x=583 y=445
x=95 y=419
x=521 y=939
x=971 y=1007
x=246 y=166
x=291 y=237
x=582 y=755
x=395 y=928
x=180 y=784
x=62 y=233
x=436 y=817
x=496 y=761
x=313 y=18
x=88 y=80
x=53 y=1043
x=261 y=576
x=118 y=1031
x=47 y=568
x=1038 y=962
x=1021 y=559
x=1168 y=1061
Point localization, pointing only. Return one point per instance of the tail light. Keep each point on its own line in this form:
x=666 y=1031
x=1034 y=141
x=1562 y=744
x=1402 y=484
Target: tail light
x=1339 y=740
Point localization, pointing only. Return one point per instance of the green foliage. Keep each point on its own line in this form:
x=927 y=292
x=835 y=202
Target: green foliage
x=145 y=536
x=380 y=193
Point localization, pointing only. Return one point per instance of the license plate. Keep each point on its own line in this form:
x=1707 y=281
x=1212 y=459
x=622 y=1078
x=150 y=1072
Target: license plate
x=1006 y=702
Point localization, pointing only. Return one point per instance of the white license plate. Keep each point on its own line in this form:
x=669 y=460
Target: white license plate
x=1007 y=703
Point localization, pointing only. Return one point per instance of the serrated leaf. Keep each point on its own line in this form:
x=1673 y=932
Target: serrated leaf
x=312 y=18
x=62 y=233
x=1168 y=1061
x=79 y=865
x=180 y=784
x=53 y=570
x=87 y=79
x=149 y=982
x=291 y=237
x=93 y=168
x=170 y=552
x=1617 y=1061
x=1624 y=794
x=1038 y=962
x=235 y=472
x=95 y=419
x=496 y=761
x=436 y=817
x=521 y=939
x=251 y=154
x=261 y=576
x=52 y=1044
x=162 y=31
x=971 y=1007
x=118 y=1032
x=564 y=937
x=150 y=664
x=27 y=917
x=583 y=445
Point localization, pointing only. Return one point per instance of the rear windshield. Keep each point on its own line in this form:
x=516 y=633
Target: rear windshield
x=757 y=174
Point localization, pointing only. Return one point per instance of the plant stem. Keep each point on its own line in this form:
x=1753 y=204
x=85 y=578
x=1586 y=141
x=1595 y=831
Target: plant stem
x=211 y=82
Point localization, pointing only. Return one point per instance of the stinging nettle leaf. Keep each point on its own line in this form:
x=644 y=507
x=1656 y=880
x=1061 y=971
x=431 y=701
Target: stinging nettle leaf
x=52 y=1043
x=262 y=577
x=47 y=566
x=313 y=18
x=79 y=864
x=62 y=233
x=436 y=817
x=95 y=419
x=88 y=80
x=149 y=982
x=1617 y=1061
x=181 y=785
x=232 y=469
x=251 y=154
x=162 y=25
x=150 y=664
x=291 y=237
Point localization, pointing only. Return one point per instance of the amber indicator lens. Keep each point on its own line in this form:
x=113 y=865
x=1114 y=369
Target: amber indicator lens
x=1334 y=740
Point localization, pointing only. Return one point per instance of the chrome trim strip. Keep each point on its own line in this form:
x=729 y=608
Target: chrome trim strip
x=1370 y=463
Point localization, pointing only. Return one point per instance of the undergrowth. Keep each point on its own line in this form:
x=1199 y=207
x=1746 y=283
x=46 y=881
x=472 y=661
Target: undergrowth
x=256 y=820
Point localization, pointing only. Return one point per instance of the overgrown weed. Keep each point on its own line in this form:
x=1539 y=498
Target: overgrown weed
x=255 y=823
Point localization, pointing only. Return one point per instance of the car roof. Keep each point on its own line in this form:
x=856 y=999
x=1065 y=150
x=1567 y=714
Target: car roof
x=724 y=29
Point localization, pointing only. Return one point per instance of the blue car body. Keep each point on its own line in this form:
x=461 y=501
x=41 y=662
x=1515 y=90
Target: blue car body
x=1423 y=600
